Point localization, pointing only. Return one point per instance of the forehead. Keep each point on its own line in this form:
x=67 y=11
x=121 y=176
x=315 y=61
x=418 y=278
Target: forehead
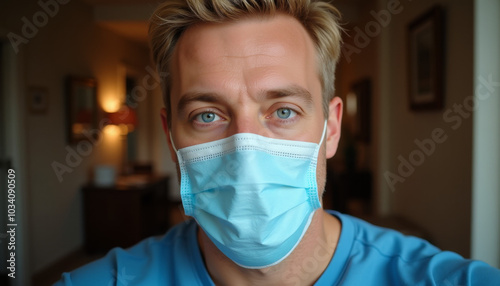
x=252 y=41
x=274 y=34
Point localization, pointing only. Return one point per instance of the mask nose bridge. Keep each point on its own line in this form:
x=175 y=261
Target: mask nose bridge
x=245 y=130
x=241 y=157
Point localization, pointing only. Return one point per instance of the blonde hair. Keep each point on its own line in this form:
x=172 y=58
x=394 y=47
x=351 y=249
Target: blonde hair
x=319 y=18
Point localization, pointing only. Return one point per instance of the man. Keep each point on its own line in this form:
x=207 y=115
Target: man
x=250 y=120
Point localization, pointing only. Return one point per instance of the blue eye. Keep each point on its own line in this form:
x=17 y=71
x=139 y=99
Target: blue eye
x=207 y=117
x=285 y=113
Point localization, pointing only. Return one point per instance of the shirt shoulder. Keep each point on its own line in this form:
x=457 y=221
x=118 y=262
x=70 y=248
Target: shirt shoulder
x=387 y=257
x=172 y=259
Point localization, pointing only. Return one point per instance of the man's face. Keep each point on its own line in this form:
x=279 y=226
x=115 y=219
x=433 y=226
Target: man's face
x=257 y=75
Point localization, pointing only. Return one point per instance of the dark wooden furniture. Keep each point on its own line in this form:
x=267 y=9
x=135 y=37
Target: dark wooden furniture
x=135 y=208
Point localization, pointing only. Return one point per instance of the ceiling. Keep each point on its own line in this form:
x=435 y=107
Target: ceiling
x=119 y=2
x=129 y=18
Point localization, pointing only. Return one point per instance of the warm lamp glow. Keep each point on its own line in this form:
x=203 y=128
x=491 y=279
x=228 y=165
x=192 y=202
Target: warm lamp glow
x=123 y=129
x=125 y=116
x=112 y=130
x=111 y=105
x=124 y=119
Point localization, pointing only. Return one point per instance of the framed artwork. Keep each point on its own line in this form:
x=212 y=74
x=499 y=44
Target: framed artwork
x=81 y=108
x=38 y=99
x=426 y=60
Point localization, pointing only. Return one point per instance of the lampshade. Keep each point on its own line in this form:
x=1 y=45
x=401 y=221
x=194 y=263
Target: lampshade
x=125 y=115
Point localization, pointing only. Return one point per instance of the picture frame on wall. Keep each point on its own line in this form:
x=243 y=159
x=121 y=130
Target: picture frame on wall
x=426 y=60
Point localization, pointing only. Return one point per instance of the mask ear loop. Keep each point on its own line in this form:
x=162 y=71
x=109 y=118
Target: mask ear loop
x=322 y=135
x=172 y=141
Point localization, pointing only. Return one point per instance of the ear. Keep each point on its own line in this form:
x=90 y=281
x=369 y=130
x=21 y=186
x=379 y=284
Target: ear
x=167 y=131
x=333 y=126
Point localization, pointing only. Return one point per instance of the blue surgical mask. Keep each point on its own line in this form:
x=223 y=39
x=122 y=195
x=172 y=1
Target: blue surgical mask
x=253 y=196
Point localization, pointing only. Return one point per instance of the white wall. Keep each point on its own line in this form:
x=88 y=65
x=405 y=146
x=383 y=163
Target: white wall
x=69 y=44
x=437 y=195
x=486 y=149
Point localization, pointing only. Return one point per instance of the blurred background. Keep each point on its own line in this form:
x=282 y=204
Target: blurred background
x=80 y=125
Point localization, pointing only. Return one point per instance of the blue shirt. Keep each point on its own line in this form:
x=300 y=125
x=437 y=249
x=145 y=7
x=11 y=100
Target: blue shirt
x=365 y=255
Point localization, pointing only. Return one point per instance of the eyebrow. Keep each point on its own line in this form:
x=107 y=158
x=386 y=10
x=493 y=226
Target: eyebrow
x=197 y=96
x=291 y=91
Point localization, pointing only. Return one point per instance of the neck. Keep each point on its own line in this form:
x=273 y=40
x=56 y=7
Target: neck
x=302 y=267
